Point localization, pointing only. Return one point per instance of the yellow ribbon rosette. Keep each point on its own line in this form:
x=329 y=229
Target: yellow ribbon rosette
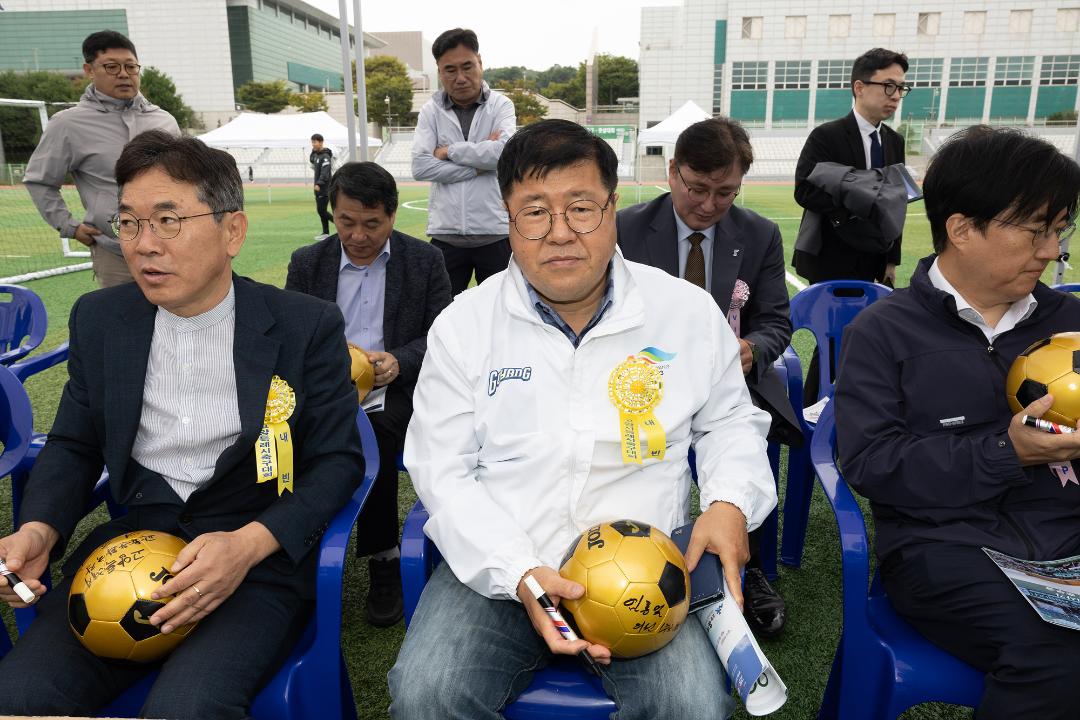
x=635 y=387
x=274 y=449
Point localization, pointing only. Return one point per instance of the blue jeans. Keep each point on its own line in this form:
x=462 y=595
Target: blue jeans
x=467 y=656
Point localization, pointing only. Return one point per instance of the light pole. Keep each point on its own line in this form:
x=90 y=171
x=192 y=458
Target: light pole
x=387 y=101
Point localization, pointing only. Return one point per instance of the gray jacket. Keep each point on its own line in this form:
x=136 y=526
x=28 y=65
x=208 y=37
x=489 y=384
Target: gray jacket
x=465 y=198
x=86 y=141
x=875 y=200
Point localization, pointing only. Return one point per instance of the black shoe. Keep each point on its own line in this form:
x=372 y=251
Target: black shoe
x=764 y=609
x=385 y=605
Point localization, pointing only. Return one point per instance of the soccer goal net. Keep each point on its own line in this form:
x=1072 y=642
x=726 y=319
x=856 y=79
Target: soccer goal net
x=29 y=248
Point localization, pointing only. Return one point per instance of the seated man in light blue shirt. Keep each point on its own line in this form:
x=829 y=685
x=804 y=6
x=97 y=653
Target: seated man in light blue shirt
x=390 y=287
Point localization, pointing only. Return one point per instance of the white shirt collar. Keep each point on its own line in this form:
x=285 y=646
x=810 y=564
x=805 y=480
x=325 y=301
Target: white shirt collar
x=865 y=127
x=1017 y=312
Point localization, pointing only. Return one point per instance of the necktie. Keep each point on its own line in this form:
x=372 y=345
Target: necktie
x=877 y=157
x=695 y=261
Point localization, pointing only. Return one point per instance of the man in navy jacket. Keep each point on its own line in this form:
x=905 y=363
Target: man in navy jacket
x=924 y=431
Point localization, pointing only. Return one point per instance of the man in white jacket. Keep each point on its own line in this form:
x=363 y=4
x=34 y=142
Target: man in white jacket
x=460 y=134
x=515 y=445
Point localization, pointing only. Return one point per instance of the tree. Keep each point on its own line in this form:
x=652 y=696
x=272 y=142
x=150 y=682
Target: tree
x=19 y=128
x=308 y=102
x=515 y=75
x=263 y=97
x=386 y=76
x=161 y=90
x=527 y=108
x=618 y=77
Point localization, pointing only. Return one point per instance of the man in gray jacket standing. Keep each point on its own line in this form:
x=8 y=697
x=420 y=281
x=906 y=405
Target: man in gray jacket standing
x=460 y=135
x=86 y=141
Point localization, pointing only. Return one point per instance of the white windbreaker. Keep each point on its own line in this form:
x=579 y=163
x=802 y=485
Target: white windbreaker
x=464 y=197
x=514 y=445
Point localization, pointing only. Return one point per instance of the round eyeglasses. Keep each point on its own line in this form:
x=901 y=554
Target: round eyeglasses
x=582 y=216
x=163 y=223
x=113 y=68
x=699 y=195
x=1061 y=234
x=890 y=88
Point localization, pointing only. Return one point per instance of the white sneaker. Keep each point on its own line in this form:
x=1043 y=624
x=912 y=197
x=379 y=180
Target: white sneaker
x=321 y=237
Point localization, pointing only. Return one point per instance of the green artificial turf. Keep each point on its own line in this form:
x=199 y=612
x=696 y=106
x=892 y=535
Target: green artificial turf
x=283 y=219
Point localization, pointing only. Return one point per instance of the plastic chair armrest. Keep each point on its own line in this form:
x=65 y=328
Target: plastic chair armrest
x=44 y=361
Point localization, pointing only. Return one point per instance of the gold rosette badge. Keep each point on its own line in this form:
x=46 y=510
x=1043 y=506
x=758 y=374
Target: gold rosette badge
x=635 y=387
x=274 y=449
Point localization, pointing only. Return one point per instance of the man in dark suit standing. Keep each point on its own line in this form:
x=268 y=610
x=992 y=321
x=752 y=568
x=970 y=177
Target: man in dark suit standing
x=390 y=287
x=860 y=139
x=695 y=232
x=171 y=378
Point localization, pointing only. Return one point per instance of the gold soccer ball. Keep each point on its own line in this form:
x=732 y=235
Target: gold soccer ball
x=363 y=373
x=637 y=589
x=109 y=605
x=1048 y=366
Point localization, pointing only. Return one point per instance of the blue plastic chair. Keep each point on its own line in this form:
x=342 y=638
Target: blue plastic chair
x=313 y=682
x=562 y=690
x=23 y=323
x=825 y=310
x=882 y=664
x=16 y=421
x=1068 y=287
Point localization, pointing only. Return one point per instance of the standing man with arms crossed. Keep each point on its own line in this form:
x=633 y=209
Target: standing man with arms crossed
x=924 y=431
x=697 y=233
x=321 y=160
x=460 y=134
x=86 y=141
x=169 y=382
x=515 y=446
x=390 y=288
x=861 y=139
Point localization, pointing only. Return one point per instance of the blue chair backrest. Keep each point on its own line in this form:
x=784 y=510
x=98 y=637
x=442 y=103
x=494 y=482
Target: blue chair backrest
x=1068 y=287
x=23 y=322
x=825 y=309
x=16 y=421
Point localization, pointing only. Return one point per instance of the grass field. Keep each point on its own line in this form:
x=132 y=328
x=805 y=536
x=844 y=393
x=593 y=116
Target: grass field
x=285 y=221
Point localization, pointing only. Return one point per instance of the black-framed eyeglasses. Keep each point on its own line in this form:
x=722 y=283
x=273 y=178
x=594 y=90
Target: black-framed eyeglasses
x=164 y=223
x=1062 y=234
x=890 y=87
x=699 y=196
x=582 y=216
x=113 y=68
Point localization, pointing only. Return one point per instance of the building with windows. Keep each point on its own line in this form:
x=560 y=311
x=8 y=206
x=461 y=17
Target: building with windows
x=786 y=64
x=208 y=47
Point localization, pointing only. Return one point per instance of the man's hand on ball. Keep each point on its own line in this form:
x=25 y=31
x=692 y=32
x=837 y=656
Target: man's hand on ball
x=1036 y=447
x=26 y=553
x=386 y=367
x=721 y=530
x=207 y=572
x=556 y=587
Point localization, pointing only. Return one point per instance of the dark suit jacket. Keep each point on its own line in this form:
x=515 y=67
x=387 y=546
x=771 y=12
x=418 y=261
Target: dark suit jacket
x=297 y=338
x=746 y=247
x=839 y=141
x=417 y=290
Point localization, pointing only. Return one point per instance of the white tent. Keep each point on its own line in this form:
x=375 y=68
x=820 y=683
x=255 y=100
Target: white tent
x=291 y=130
x=668 y=130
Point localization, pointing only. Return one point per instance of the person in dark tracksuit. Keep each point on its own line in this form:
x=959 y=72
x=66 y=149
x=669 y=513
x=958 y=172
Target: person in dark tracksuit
x=924 y=430
x=321 y=160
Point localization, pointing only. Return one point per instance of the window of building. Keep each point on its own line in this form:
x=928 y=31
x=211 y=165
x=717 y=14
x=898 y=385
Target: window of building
x=1020 y=21
x=924 y=72
x=1060 y=70
x=974 y=23
x=753 y=75
x=717 y=89
x=839 y=26
x=967 y=72
x=1013 y=70
x=751 y=28
x=792 y=75
x=884 y=24
x=929 y=23
x=834 y=74
x=795 y=26
x=1068 y=19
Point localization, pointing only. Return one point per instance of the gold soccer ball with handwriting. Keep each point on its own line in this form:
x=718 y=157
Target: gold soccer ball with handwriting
x=1050 y=366
x=109 y=605
x=637 y=589
x=362 y=372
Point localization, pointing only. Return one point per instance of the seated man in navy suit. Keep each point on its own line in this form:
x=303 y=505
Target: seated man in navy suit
x=169 y=383
x=696 y=232
x=390 y=287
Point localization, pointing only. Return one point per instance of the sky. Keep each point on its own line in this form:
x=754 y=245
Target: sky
x=536 y=35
